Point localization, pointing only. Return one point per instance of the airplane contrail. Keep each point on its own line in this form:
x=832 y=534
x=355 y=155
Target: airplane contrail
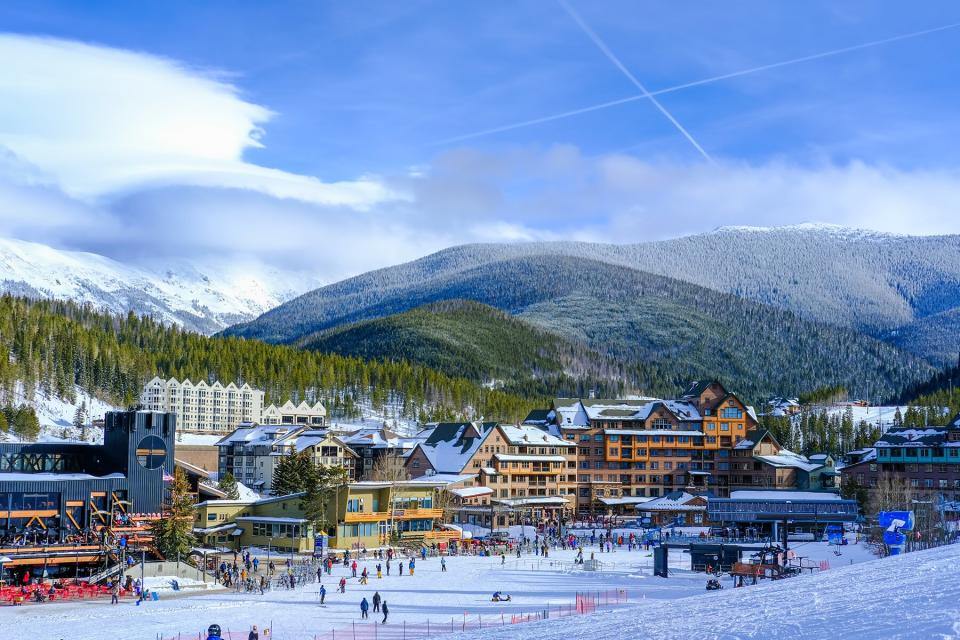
x=639 y=85
x=695 y=83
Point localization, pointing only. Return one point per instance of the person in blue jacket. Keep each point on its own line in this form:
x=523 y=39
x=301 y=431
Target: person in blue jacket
x=364 y=608
x=213 y=632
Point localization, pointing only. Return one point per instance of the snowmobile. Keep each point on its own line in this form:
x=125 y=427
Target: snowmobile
x=714 y=585
x=499 y=597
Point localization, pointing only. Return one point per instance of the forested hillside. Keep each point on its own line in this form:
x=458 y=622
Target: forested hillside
x=874 y=283
x=666 y=331
x=476 y=341
x=59 y=344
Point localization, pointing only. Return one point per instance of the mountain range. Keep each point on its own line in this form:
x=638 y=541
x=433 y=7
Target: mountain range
x=204 y=299
x=770 y=309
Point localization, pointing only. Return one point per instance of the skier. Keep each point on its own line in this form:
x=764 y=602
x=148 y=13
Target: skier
x=343 y=585
x=443 y=564
x=353 y=568
x=503 y=559
x=412 y=565
x=320 y=573
x=401 y=567
x=254 y=634
x=213 y=632
x=364 y=608
x=376 y=601
x=388 y=566
x=323 y=593
x=379 y=571
x=363 y=576
x=386 y=612
x=423 y=553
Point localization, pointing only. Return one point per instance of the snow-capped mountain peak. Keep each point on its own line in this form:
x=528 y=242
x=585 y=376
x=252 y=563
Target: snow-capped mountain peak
x=200 y=298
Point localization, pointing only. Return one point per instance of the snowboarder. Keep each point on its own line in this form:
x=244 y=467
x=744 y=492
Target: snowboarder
x=364 y=608
x=323 y=593
x=386 y=612
x=363 y=576
x=376 y=601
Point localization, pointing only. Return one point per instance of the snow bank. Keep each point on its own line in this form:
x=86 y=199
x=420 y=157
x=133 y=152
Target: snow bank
x=916 y=595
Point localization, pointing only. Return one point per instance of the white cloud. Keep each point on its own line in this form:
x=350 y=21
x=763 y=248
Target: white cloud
x=141 y=158
x=97 y=120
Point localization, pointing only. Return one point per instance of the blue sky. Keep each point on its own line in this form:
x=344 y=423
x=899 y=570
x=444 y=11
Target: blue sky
x=374 y=109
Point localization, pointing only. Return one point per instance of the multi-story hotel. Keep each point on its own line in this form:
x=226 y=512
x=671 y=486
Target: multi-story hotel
x=202 y=407
x=527 y=469
x=629 y=451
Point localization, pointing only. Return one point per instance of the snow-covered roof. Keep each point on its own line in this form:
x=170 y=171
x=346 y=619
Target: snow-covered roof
x=449 y=446
x=914 y=437
x=624 y=500
x=639 y=409
x=783 y=494
x=271 y=519
x=257 y=434
x=472 y=492
x=677 y=501
x=529 y=435
x=445 y=478
x=786 y=458
x=532 y=500
x=217 y=529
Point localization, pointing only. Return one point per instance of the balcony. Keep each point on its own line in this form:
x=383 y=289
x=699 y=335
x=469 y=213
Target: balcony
x=398 y=514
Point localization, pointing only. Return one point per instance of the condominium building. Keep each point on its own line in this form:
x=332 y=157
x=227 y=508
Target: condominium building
x=302 y=414
x=202 y=407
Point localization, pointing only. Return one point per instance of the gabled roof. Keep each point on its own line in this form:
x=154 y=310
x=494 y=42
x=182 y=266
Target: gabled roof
x=789 y=459
x=528 y=435
x=697 y=387
x=450 y=445
x=754 y=437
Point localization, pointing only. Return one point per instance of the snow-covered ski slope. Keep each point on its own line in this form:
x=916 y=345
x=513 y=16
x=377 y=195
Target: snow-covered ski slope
x=914 y=596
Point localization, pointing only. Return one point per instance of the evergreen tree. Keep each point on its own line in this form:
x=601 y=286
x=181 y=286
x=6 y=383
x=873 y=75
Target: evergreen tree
x=173 y=533
x=228 y=484
x=292 y=474
x=25 y=424
x=322 y=484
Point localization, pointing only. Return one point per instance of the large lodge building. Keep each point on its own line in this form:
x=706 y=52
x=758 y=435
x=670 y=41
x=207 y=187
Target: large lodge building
x=600 y=457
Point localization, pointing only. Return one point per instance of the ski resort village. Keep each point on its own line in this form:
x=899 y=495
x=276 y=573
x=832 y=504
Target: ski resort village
x=525 y=320
x=638 y=517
